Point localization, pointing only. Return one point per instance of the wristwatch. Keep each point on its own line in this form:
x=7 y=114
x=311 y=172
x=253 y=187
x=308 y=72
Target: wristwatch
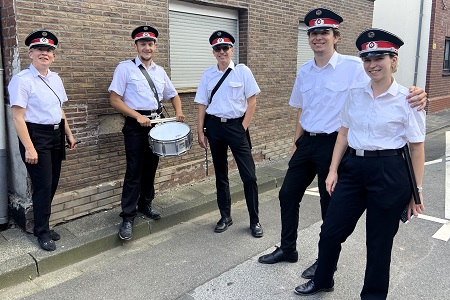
x=419 y=189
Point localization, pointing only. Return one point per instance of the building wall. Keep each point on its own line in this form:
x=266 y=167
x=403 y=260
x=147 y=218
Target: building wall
x=94 y=37
x=402 y=17
x=438 y=83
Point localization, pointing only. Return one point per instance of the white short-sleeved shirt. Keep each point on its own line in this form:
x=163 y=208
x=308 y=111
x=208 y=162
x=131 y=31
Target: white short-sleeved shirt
x=230 y=100
x=27 y=90
x=384 y=122
x=129 y=83
x=321 y=92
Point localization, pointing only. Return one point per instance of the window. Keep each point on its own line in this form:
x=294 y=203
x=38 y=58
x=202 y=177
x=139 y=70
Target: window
x=304 y=52
x=447 y=55
x=190 y=26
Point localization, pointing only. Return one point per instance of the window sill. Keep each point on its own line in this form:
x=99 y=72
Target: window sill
x=186 y=90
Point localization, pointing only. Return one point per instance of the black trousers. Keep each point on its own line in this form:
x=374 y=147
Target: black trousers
x=379 y=185
x=45 y=174
x=312 y=157
x=138 y=186
x=222 y=135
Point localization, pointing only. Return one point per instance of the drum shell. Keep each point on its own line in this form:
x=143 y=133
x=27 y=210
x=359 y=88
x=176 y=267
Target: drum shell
x=176 y=145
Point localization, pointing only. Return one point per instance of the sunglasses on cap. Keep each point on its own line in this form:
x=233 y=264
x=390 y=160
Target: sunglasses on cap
x=221 y=47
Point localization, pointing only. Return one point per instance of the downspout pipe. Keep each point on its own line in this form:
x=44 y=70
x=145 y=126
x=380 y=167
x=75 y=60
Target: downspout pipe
x=3 y=162
x=419 y=37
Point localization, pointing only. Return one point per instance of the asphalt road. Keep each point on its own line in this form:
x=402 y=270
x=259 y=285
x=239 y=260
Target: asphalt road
x=191 y=262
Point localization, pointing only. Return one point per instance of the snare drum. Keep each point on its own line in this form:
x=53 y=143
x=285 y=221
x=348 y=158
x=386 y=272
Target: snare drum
x=170 y=139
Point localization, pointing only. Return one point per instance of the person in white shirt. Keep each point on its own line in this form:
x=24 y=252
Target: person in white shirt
x=229 y=112
x=133 y=96
x=36 y=96
x=319 y=93
x=377 y=123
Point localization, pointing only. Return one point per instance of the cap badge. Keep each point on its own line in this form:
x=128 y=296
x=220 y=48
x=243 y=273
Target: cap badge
x=44 y=40
x=318 y=22
x=220 y=40
x=145 y=28
x=44 y=33
x=219 y=33
x=371 y=34
x=145 y=34
x=318 y=12
x=372 y=45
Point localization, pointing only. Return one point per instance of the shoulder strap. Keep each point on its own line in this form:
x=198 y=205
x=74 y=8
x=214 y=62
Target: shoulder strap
x=150 y=82
x=219 y=84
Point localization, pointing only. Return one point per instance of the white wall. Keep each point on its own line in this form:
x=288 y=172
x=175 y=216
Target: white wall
x=401 y=17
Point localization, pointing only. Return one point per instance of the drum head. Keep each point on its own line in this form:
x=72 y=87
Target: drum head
x=169 y=131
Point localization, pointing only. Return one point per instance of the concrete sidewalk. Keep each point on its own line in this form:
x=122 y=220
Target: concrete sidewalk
x=21 y=259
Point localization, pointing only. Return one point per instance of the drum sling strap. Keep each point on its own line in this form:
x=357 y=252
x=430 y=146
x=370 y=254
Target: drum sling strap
x=219 y=83
x=152 y=85
x=61 y=124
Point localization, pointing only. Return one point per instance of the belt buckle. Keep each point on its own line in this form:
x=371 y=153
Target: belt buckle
x=55 y=126
x=312 y=134
x=359 y=152
x=223 y=120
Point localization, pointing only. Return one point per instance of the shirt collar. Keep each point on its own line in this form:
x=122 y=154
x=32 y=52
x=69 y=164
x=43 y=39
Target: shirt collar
x=36 y=73
x=138 y=62
x=392 y=90
x=332 y=62
x=231 y=66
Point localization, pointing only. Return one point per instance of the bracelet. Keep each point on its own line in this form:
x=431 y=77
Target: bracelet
x=419 y=189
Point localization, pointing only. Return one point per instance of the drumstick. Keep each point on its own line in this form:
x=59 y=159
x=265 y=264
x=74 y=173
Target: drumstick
x=161 y=120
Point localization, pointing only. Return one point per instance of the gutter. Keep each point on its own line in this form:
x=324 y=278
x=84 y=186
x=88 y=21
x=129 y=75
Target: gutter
x=419 y=36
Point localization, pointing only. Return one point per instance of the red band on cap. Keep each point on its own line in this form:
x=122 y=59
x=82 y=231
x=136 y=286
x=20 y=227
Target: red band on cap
x=221 y=41
x=378 y=45
x=144 y=34
x=324 y=21
x=45 y=41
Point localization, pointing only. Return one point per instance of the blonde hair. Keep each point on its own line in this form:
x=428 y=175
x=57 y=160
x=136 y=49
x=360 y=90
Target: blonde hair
x=395 y=66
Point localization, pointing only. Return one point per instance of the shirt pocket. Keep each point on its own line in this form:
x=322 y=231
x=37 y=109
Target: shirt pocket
x=385 y=126
x=335 y=92
x=306 y=90
x=159 y=83
x=139 y=83
x=236 y=91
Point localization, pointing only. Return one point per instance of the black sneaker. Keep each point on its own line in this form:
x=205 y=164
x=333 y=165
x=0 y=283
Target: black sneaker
x=126 y=230
x=54 y=235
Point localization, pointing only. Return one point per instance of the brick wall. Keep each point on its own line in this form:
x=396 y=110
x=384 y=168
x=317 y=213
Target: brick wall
x=95 y=35
x=438 y=82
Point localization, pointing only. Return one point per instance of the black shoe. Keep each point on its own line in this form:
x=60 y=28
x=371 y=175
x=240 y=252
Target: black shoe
x=257 y=230
x=126 y=230
x=278 y=256
x=47 y=243
x=54 y=235
x=309 y=273
x=150 y=212
x=309 y=288
x=223 y=224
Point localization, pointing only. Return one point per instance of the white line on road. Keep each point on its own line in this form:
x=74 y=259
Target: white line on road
x=447 y=175
x=432 y=162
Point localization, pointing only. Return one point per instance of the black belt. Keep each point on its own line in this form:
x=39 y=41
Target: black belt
x=225 y=120
x=307 y=133
x=375 y=153
x=43 y=126
x=147 y=112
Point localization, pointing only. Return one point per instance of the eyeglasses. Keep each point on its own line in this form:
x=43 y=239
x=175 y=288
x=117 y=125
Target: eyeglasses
x=225 y=48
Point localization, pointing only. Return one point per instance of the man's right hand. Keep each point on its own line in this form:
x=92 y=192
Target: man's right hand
x=144 y=121
x=202 y=140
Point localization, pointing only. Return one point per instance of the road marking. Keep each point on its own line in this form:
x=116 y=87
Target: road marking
x=432 y=162
x=443 y=233
x=433 y=219
x=447 y=175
